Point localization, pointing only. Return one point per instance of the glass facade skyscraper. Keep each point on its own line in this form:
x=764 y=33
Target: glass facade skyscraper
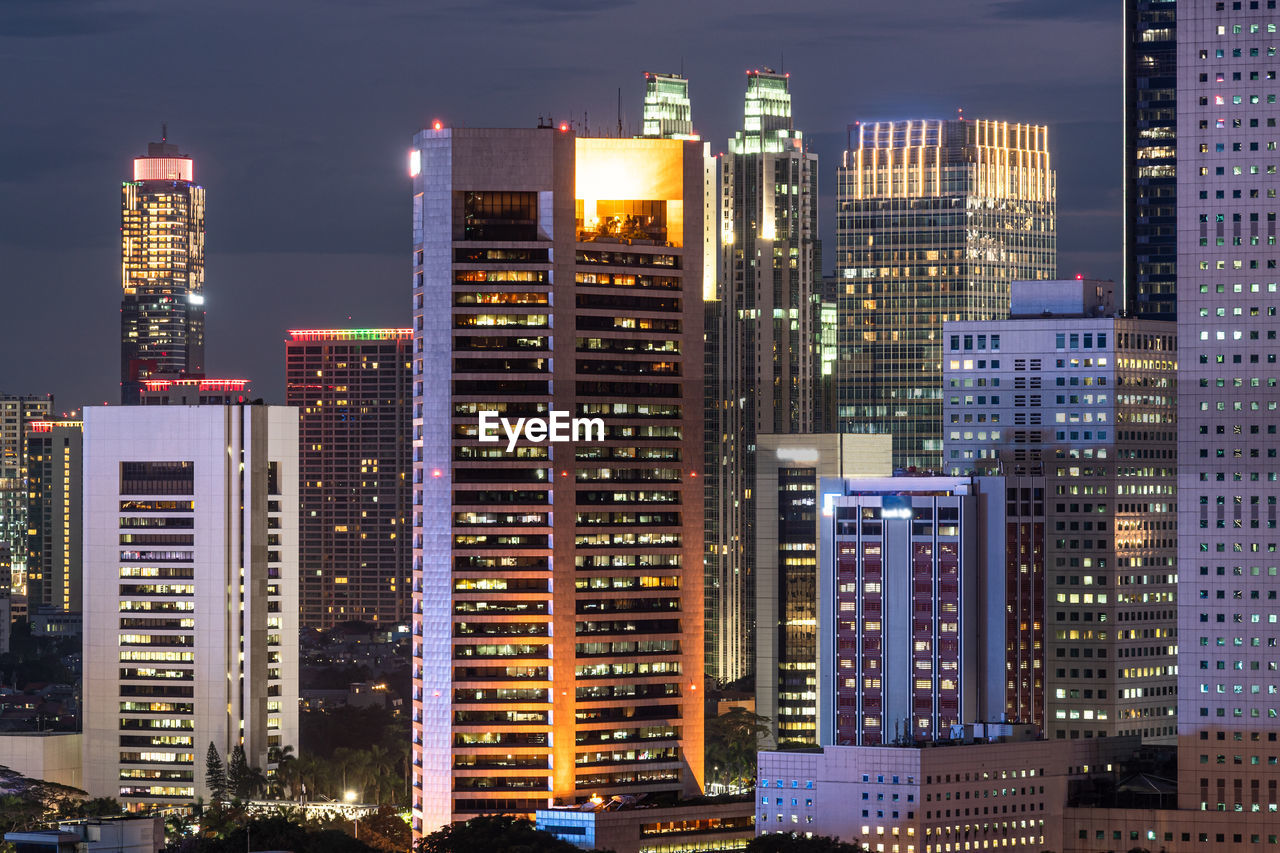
x=764 y=335
x=935 y=220
x=162 y=270
x=1150 y=164
x=667 y=109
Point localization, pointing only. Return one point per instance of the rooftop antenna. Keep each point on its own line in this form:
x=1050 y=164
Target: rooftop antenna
x=164 y=131
x=782 y=61
x=619 y=112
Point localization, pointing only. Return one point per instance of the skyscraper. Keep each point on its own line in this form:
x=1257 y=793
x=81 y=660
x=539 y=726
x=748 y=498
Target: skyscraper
x=667 y=110
x=557 y=577
x=789 y=469
x=54 y=518
x=764 y=330
x=190 y=594
x=162 y=270
x=1150 y=161
x=353 y=393
x=935 y=220
x=1228 y=569
x=1077 y=405
x=17 y=413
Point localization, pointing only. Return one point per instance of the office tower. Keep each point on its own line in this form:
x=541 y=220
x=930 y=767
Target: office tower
x=54 y=519
x=917 y=631
x=1150 y=159
x=17 y=412
x=557 y=583
x=162 y=269
x=788 y=470
x=1078 y=404
x=763 y=352
x=192 y=391
x=190 y=595
x=667 y=110
x=935 y=219
x=1228 y=712
x=353 y=391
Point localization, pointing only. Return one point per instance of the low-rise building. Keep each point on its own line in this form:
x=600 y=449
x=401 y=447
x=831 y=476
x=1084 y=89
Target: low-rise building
x=625 y=825
x=124 y=834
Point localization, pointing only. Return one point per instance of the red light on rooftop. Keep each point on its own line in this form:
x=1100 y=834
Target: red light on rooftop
x=563 y=127
x=1079 y=277
x=437 y=125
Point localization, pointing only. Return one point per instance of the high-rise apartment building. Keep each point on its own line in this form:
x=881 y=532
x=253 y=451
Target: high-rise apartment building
x=667 y=111
x=788 y=518
x=764 y=364
x=921 y=624
x=1228 y=568
x=935 y=220
x=1077 y=404
x=1150 y=159
x=54 y=518
x=557 y=571
x=162 y=269
x=17 y=413
x=353 y=392
x=190 y=594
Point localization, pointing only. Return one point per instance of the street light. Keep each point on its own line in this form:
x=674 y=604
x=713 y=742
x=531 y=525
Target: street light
x=350 y=797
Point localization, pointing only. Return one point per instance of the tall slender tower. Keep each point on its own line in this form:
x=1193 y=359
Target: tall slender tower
x=936 y=219
x=162 y=270
x=764 y=365
x=557 y=573
x=1150 y=161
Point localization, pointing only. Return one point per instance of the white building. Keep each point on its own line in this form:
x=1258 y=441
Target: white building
x=190 y=594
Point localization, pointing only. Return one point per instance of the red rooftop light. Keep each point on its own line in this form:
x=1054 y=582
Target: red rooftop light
x=437 y=125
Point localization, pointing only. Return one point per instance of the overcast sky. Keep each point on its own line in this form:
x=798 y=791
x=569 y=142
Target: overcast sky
x=299 y=114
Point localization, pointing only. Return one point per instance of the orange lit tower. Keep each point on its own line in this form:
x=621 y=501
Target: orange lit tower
x=161 y=269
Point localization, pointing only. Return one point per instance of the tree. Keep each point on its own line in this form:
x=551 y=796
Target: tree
x=732 y=742
x=215 y=775
x=239 y=779
x=791 y=842
x=493 y=832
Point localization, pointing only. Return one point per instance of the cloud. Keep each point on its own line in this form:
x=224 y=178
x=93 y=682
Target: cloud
x=1059 y=10
x=37 y=19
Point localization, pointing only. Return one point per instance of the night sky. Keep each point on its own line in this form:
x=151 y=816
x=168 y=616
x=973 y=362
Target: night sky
x=299 y=114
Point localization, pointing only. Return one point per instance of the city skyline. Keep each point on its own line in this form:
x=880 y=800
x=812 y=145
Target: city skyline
x=353 y=172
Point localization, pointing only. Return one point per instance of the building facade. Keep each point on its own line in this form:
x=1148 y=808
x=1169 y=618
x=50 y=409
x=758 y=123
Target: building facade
x=667 y=110
x=1228 y=574
x=764 y=360
x=162 y=269
x=353 y=392
x=193 y=391
x=54 y=518
x=557 y=583
x=17 y=413
x=788 y=517
x=1080 y=405
x=1150 y=162
x=935 y=220
x=921 y=622
x=190 y=595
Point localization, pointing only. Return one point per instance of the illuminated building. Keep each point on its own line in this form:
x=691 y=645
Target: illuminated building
x=638 y=827
x=788 y=470
x=1150 y=159
x=911 y=574
x=667 y=111
x=162 y=270
x=353 y=392
x=1078 y=405
x=17 y=412
x=764 y=365
x=54 y=455
x=557 y=586
x=1228 y=570
x=935 y=220
x=190 y=594
x=192 y=391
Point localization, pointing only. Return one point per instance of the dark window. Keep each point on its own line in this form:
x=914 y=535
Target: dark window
x=501 y=216
x=157 y=478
